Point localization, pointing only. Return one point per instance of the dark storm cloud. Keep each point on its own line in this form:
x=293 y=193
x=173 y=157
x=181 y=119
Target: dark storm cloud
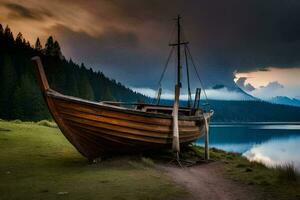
x=225 y=35
x=241 y=82
x=118 y=54
x=21 y=12
x=128 y=40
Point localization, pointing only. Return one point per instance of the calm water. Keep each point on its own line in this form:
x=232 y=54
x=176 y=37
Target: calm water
x=270 y=143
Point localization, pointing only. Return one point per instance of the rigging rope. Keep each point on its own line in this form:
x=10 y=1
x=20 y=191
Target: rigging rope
x=195 y=68
x=158 y=91
x=188 y=78
x=186 y=51
x=197 y=73
x=166 y=66
x=163 y=73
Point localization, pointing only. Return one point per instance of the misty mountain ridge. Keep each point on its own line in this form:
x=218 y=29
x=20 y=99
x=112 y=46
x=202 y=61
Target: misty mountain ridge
x=224 y=92
x=282 y=100
x=285 y=101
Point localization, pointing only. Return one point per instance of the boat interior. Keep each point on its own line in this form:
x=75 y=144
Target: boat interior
x=153 y=108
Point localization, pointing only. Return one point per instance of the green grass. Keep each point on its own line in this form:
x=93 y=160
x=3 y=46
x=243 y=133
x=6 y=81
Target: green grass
x=37 y=162
x=288 y=173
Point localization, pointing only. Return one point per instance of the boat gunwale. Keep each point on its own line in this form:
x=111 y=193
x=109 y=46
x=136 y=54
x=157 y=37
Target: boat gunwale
x=55 y=94
x=112 y=114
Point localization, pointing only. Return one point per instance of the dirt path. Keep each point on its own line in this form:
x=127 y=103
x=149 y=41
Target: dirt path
x=206 y=182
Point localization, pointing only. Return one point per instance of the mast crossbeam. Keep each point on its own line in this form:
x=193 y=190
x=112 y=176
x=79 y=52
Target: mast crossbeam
x=176 y=44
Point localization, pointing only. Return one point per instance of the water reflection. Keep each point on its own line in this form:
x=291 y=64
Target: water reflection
x=269 y=143
x=276 y=152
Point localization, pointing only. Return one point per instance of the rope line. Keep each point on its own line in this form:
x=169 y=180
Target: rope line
x=194 y=66
x=197 y=73
x=187 y=52
x=162 y=75
x=165 y=68
x=188 y=77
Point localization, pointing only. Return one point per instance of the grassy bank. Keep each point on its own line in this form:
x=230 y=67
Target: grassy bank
x=282 y=182
x=37 y=162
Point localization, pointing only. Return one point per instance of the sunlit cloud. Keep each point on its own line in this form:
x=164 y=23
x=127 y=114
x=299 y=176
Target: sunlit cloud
x=38 y=18
x=270 y=82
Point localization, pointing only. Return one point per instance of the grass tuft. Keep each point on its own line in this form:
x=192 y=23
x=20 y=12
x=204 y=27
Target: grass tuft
x=147 y=161
x=287 y=172
x=17 y=121
x=47 y=123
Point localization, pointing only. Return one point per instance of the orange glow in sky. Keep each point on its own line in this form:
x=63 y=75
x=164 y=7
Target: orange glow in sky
x=287 y=76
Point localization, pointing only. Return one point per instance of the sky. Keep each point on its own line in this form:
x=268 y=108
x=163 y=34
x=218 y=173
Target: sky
x=270 y=82
x=247 y=43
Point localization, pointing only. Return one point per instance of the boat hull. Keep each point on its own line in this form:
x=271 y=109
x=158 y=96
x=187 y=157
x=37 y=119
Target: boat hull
x=95 y=129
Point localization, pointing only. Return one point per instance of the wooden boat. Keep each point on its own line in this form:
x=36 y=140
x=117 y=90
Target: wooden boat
x=97 y=128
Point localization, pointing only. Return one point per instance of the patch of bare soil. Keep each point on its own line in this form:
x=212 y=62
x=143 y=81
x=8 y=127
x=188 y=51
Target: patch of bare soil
x=207 y=181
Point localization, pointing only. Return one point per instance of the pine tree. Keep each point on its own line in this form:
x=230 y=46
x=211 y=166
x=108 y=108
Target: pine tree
x=23 y=98
x=71 y=83
x=8 y=82
x=57 y=50
x=27 y=44
x=1 y=38
x=49 y=46
x=8 y=40
x=19 y=39
x=38 y=45
x=1 y=30
x=108 y=95
x=27 y=100
x=8 y=34
x=18 y=108
x=85 y=88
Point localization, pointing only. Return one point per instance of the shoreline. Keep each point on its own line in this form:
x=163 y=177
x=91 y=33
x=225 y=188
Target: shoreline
x=255 y=123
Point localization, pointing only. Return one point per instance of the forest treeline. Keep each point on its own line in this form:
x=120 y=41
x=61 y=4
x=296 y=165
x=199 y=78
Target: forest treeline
x=253 y=111
x=247 y=111
x=20 y=97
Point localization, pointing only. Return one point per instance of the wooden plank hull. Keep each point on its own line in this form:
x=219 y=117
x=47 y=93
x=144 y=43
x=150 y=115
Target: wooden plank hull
x=95 y=129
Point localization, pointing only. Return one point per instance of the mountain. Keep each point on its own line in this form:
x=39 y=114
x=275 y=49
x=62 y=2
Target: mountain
x=223 y=92
x=285 y=101
x=246 y=95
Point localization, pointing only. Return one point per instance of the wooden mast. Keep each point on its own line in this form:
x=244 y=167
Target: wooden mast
x=178 y=54
x=175 y=144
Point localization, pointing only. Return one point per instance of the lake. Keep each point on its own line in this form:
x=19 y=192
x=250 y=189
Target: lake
x=270 y=143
